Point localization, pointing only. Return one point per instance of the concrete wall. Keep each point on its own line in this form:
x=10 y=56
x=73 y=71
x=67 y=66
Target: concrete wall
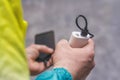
x=104 y=21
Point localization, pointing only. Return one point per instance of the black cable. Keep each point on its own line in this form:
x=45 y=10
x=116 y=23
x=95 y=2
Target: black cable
x=85 y=31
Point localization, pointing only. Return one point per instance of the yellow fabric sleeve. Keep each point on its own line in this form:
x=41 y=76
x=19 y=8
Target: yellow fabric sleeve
x=13 y=62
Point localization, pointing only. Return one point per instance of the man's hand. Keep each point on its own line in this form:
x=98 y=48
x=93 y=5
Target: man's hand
x=78 y=61
x=32 y=54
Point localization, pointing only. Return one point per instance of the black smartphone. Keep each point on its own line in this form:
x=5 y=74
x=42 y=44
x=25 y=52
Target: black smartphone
x=46 y=38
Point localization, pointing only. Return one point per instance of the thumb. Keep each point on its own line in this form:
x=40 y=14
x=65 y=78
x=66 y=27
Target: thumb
x=63 y=43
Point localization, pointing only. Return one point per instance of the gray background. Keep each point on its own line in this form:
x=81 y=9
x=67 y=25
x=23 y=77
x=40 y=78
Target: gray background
x=104 y=21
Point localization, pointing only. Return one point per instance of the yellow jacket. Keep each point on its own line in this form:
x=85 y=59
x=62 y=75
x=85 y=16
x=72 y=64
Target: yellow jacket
x=13 y=62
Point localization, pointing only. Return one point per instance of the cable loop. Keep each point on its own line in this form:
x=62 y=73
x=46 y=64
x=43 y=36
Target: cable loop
x=85 y=31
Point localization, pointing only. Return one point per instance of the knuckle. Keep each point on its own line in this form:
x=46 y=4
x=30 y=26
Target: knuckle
x=91 y=54
x=59 y=43
x=93 y=64
x=62 y=42
x=90 y=60
x=90 y=57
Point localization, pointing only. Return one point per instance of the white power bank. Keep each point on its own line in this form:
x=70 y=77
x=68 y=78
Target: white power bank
x=78 y=41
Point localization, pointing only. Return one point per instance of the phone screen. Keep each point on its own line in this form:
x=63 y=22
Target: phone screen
x=46 y=38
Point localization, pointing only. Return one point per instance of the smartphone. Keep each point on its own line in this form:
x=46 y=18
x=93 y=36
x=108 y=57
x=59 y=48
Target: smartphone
x=46 y=38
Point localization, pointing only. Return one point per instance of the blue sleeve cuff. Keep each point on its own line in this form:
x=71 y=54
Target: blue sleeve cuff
x=55 y=74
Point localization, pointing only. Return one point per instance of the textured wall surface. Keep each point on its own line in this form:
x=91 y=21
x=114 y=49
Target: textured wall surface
x=104 y=21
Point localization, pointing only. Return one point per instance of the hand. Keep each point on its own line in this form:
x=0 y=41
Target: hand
x=32 y=54
x=78 y=61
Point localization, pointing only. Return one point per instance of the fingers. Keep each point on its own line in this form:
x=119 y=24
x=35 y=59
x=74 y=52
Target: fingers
x=88 y=51
x=90 y=44
x=32 y=53
x=42 y=48
x=37 y=68
x=48 y=63
x=34 y=50
x=41 y=66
